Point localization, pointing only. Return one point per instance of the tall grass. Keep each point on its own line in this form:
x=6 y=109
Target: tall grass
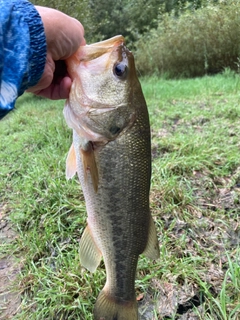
x=198 y=42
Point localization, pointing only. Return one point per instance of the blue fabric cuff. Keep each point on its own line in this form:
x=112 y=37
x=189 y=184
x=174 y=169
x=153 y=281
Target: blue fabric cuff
x=38 y=46
x=22 y=50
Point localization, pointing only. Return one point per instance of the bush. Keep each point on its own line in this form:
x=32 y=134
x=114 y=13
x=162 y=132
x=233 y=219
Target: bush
x=204 y=41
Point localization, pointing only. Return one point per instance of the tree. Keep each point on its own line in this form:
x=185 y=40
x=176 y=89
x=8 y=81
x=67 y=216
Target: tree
x=107 y=18
x=76 y=9
x=129 y=18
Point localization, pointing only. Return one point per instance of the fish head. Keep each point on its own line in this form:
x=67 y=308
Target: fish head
x=101 y=103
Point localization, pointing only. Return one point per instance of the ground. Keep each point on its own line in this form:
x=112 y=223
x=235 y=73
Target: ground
x=195 y=202
x=9 y=299
x=172 y=299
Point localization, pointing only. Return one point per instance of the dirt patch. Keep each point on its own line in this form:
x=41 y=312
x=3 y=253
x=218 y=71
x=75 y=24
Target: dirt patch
x=9 y=299
x=210 y=229
x=217 y=193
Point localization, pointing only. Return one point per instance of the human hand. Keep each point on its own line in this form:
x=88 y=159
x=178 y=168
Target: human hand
x=63 y=35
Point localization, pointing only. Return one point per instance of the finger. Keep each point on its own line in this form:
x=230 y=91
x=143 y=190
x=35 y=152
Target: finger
x=65 y=37
x=56 y=91
x=47 y=77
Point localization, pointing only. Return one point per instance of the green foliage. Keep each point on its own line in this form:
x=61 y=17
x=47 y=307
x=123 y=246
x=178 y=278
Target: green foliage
x=175 y=38
x=76 y=9
x=179 y=6
x=199 y=42
x=105 y=19
x=129 y=18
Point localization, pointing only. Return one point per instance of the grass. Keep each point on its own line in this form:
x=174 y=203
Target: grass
x=195 y=201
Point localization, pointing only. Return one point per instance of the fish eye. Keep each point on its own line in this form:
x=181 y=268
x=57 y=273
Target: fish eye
x=120 y=70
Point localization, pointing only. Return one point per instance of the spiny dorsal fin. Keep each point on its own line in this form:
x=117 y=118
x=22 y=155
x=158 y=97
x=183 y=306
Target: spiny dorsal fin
x=152 y=249
x=71 y=163
x=90 y=255
x=89 y=164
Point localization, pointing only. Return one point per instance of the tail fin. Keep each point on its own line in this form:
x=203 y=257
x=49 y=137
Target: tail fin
x=108 y=308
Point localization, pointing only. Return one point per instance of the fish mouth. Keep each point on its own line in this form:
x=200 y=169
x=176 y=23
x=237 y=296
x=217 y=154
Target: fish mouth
x=110 y=43
x=95 y=50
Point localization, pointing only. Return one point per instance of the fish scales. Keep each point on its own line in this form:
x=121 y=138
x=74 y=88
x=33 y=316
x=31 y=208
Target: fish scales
x=119 y=218
x=120 y=208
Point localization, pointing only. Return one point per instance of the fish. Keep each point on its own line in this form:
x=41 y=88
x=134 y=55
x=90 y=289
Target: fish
x=111 y=154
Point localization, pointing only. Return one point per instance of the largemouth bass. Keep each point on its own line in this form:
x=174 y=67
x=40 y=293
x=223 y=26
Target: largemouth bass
x=111 y=152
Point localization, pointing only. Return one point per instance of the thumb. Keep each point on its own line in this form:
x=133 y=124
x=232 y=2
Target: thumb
x=64 y=34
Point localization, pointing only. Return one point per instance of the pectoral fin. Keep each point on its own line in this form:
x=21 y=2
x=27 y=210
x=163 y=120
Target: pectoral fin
x=71 y=163
x=152 y=249
x=90 y=255
x=89 y=164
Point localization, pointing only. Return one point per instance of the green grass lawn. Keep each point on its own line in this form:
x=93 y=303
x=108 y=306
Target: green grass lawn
x=195 y=201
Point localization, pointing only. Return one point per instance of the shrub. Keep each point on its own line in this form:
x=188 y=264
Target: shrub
x=203 y=41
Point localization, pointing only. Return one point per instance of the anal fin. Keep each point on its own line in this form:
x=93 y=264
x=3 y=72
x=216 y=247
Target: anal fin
x=152 y=249
x=90 y=255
